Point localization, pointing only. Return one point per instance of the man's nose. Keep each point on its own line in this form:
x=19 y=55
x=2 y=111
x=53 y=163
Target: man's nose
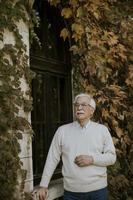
x=80 y=107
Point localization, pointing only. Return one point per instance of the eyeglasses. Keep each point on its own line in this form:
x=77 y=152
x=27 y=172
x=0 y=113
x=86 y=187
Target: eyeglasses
x=83 y=105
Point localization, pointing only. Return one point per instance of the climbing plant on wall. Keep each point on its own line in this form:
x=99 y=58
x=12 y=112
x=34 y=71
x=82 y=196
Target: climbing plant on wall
x=101 y=37
x=14 y=70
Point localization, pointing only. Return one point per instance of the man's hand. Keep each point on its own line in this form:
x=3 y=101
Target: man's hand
x=83 y=160
x=42 y=193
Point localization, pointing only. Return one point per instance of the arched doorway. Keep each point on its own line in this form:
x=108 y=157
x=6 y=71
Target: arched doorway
x=52 y=99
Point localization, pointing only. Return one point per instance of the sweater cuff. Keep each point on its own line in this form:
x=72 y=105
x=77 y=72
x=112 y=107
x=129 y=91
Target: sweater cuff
x=96 y=159
x=44 y=183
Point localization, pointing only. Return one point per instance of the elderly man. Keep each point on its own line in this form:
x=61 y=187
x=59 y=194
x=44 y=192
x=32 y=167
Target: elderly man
x=86 y=149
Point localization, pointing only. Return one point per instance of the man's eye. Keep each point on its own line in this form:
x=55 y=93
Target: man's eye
x=82 y=105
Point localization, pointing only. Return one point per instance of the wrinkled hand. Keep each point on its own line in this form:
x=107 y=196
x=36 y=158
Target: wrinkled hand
x=83 y=160
x=42 y=193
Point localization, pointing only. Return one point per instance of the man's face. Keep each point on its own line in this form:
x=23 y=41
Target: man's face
x=83 y=111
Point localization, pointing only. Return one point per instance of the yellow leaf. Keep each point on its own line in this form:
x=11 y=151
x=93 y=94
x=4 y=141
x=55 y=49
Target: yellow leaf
x=73 y=3
x=66 y=13
x=96 y=15
x=76 y=37
x=74 y=48
x=115 y=140
x=80 y=12
x=54 y=2
x=78 y=31
x=64 y=33
x=113 y=40
x=114 y=123
x=78 y=28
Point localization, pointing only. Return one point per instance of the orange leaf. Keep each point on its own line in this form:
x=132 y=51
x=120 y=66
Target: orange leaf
x=119 y=132
x=127 y=140
x=113 y=110
x=105 y=113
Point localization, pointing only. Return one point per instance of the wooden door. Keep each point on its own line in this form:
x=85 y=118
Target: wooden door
x=51 y=88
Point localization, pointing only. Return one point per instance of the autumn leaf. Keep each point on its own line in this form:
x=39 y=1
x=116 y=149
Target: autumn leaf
x=113 y=110
x=118 y=92
x=115 y=140
x=90 y=89
x=96 y=15
x=65 y=33
x=78 y=30
x=80 y=12
x=110 y=37
x=73 y=3
x=119 y=132
x=105 y=113
x=114 y=123
x=74 y=48
x=105 y=35
x=66 y=13
x=113 y=39
x=127 y=140
x=54 y=2
x=121 y=51
x=102 y=99
x=129 y=79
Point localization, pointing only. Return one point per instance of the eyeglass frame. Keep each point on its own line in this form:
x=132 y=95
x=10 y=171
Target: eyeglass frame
x=83 y=105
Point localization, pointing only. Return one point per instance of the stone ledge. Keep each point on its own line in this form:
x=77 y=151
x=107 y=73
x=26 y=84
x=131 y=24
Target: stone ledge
x=55 y=190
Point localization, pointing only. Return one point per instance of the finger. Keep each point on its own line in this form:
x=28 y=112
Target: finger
x=41 y=196
x=79 y=160
x=80 y=164
x=78 y=157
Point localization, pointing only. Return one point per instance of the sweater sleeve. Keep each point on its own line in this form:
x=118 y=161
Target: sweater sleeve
x=108 y=156
x=52 y=160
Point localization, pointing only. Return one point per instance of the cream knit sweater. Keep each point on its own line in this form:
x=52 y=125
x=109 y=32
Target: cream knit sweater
x=72 y=140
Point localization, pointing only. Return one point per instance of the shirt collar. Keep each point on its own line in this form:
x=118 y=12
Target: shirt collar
x=85 y=126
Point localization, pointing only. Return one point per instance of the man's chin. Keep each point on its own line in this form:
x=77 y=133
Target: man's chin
x=79 y=118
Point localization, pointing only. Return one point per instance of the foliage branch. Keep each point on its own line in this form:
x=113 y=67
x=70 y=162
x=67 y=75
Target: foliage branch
x=13 y=70
x=101 y=38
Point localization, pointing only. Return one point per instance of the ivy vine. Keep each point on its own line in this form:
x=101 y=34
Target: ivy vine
x=13 y=70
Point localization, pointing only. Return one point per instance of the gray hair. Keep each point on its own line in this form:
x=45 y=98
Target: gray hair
x=92 y=102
